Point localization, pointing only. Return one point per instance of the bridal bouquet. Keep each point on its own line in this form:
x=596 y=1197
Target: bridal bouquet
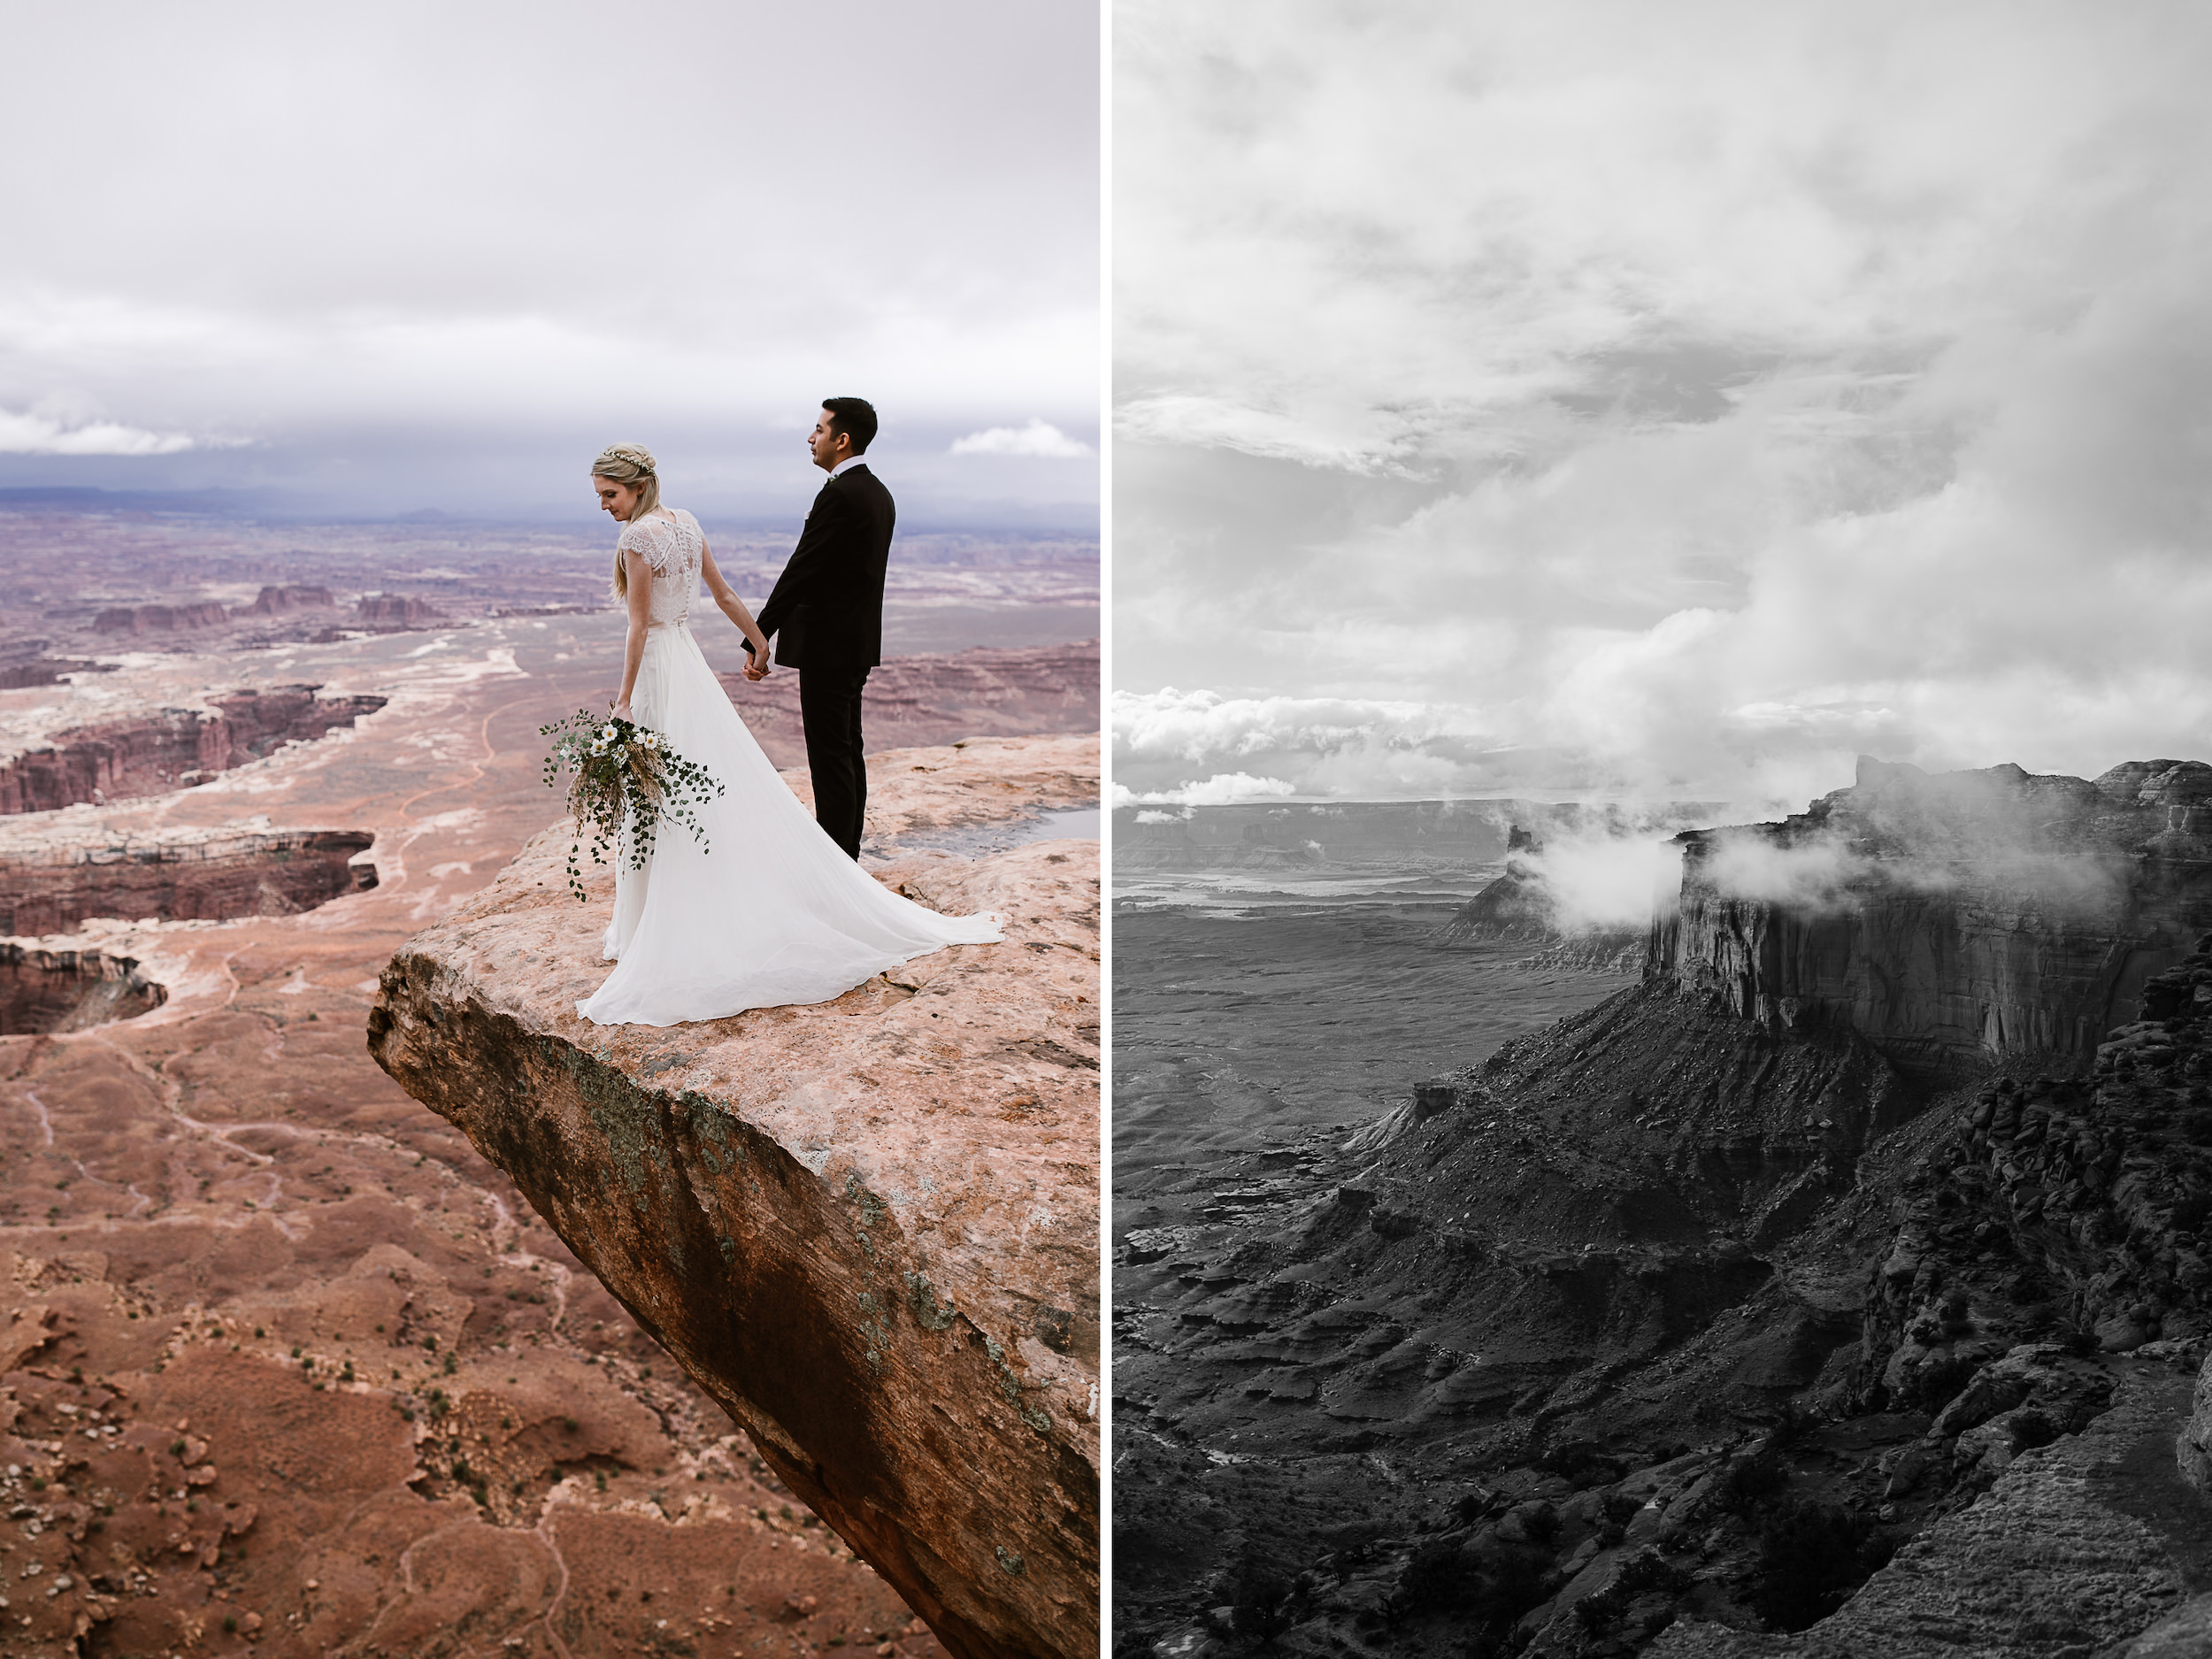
x=623 y=775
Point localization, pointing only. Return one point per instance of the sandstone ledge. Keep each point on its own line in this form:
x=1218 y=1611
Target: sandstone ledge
x=868 y=1228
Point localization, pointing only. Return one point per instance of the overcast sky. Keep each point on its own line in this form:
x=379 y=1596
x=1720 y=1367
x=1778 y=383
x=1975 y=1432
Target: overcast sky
x=1660 y=400
x=439 y=254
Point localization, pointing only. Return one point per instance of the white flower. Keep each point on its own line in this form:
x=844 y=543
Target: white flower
x=607 y=732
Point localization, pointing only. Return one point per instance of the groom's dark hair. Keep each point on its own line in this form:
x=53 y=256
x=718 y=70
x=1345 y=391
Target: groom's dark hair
x=855 y=417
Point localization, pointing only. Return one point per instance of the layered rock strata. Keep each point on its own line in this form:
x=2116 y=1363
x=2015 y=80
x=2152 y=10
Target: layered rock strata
x=867 y=1228
x=158 y=619
x=47 y=671
x=52 y=881
x=396 y=610
x=59 y=986
x=280 y=600
x=1948 y=916
x=158 y=750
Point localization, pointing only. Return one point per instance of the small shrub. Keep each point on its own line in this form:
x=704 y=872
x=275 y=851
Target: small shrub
x=1749 y=1479
x=1941 y=1378
x=1811 y=1557
x=1437 y=1576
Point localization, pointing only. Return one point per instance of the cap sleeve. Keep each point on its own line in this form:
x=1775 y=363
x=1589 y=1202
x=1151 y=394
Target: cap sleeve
x=647 y=538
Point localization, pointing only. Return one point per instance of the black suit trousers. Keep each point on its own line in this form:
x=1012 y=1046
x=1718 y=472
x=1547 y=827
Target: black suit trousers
x=829 y=707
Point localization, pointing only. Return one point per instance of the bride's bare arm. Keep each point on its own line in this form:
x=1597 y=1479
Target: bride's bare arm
x=637 y=578
x=733 y=608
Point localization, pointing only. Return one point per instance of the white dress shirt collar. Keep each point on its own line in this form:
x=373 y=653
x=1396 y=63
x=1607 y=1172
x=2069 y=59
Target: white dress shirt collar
x=849 y=461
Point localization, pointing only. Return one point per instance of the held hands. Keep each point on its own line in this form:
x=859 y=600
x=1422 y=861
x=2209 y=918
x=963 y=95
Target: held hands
x=756 y=663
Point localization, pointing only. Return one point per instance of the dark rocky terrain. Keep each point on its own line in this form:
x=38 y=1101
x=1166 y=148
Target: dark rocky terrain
x=1838 y=1288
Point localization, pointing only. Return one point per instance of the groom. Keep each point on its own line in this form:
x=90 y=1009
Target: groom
x=827 y=607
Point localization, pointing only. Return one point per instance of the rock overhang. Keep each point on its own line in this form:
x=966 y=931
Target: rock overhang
x=868 y=1227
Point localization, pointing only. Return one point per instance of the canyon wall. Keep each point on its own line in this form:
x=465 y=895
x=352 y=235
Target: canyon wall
x=55 y=990
x=154 y=752
x=158 y=619
x=1946 y=916
x=280 y=599
x=185 y=875
x=395 y=610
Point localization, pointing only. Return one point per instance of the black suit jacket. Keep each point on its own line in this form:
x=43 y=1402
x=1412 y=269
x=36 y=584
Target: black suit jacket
x=827 y=605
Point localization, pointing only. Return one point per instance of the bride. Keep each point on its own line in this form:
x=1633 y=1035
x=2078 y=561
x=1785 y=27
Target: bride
x=770 y=910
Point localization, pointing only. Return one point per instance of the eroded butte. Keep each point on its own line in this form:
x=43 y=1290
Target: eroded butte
x=282 y=1359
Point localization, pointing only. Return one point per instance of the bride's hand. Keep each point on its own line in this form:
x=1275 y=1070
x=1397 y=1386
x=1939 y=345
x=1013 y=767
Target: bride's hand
x=621 y=710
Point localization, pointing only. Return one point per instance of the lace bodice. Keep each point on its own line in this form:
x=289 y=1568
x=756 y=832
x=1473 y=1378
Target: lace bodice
x=673 y=547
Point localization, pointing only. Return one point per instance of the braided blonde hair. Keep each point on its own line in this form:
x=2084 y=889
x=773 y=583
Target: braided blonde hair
x=630 y=464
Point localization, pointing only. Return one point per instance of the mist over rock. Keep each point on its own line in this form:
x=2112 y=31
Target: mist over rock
x=1523 y=906
x=866 y=1228
x=1969 y=912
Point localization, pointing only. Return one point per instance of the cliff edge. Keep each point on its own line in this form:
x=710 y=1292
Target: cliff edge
x=868 y=1228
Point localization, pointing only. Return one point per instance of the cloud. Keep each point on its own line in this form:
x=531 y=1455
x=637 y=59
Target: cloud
x=34 y=433
x=469 y=240
x=1357 y=748
x=1221 y=789
x=1036 y=438
x=1357 y=445
x=1607 y=883
x=1673 y=402
x=1151 y=817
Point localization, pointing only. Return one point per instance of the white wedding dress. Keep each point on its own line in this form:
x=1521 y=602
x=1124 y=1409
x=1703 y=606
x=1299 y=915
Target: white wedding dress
x=770 y=910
